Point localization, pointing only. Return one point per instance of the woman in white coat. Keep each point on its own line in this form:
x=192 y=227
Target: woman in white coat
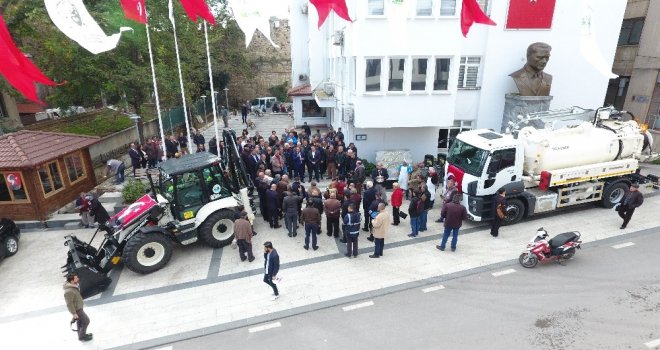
x=404 y=175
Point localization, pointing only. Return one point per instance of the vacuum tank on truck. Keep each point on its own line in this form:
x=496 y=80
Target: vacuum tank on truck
x=567 y=162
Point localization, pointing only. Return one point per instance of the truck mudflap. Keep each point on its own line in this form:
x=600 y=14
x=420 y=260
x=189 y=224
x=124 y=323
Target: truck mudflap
x=83 y=259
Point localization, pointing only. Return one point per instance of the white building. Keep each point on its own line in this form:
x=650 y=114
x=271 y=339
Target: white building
x=402 y=76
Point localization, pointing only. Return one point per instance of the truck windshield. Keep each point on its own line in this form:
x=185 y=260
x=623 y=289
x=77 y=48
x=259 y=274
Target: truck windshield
x=467 y=157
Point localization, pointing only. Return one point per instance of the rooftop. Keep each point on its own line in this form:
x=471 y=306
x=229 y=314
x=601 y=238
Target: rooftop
x=27 y=148
x=300 y=90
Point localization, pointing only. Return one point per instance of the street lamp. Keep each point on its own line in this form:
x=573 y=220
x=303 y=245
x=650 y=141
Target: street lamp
x=204 y=99
x=226 y=90
x=136 y=118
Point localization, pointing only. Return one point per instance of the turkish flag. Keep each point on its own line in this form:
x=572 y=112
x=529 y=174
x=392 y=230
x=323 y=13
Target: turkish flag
x=19 y=71
x=472 y=13
x=323 y=7
x=135 y=10
x=530 y=14
x=197 y=8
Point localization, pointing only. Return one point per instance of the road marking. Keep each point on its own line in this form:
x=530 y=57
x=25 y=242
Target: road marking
x=502 y=273
x=165 y=348
x=265 y=327
x=653 y=344
x=623 y=245
x=433 y=289
x=358 y=306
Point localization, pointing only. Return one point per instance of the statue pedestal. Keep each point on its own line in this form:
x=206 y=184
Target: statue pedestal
x=516 y=105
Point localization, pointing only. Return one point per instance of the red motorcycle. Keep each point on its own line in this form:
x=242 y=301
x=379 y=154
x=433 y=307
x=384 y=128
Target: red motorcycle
x=559 y=248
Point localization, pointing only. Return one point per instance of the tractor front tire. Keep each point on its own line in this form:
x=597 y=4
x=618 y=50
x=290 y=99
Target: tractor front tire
x=147 y=252
x=218 y=229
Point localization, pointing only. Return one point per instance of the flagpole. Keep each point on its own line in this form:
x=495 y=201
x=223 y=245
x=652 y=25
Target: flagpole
x=153 y=76
x=178 y=63
x=215 y=112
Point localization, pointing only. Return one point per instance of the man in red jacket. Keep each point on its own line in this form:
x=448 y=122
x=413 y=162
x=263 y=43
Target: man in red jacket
x=396 y=200
x=454 y=213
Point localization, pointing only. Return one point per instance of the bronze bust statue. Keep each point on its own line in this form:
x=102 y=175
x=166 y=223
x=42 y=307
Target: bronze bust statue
x=530 y=79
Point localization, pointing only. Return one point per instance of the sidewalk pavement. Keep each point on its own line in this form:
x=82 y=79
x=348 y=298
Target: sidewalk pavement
x=203 y=290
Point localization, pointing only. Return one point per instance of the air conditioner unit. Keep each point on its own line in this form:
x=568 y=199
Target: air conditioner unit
x=348 y=115
x=303 y=9
x=303 y=77
x=329 y=88
x=338 y=38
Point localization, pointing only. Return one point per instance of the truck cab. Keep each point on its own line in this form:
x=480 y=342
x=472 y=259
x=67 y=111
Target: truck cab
x=481 y=162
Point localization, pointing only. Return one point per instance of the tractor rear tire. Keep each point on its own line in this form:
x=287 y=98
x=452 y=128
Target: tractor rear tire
x=147 y=252
x=218 y=229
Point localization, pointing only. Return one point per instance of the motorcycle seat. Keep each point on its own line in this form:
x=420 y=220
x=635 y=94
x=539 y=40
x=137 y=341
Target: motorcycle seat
x=562 y=238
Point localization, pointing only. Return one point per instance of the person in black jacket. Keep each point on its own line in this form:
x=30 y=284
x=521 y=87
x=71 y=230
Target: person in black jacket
x=499 y=212
x=273 y=205
x=135 y=157
x=414 y=209
x=368 y=197
x=271 y=267
x=99 y=213
x=630 y=201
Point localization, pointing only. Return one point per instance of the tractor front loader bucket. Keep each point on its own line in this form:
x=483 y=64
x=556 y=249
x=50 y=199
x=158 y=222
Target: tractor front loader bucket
x=84 y=260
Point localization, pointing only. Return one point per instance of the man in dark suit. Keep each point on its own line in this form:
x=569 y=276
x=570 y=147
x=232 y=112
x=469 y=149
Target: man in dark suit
x=273 y=206
x=271 y=267
x=314 y=160
x=135 y=157
x=368 y=197
x=379 y=175
x=253 y=163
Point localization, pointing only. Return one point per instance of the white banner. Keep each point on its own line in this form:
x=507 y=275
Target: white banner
x=73 y=19
x=251 y=15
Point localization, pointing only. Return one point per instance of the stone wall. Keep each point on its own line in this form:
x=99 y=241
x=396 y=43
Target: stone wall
x=271 y=66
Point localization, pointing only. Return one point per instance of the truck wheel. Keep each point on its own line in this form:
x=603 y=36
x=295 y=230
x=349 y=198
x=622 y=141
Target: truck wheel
x=218 y=229
x=613 y=194
x=147 y=252
x=9 y=246
x=515 y=211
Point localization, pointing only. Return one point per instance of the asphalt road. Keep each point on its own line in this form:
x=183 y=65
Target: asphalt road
x=607 y=297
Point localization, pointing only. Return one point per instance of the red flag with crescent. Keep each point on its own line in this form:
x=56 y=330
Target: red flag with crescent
x=198 y=8
x=323 y=7
x=472 y=13
x=135 y=10
x=19 y=71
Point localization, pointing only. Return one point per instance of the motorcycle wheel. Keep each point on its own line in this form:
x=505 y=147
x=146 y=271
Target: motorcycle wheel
x=569 y=254
x=528 y=260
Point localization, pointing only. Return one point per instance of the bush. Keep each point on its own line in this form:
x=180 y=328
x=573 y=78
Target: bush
x=368 y=167
x=133 y=190
x=280 y=91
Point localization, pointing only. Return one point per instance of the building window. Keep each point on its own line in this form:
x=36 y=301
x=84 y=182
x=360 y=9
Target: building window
x=418 y=79
x=74 y=167
x=468 y=72
x=631 y=31
x=446 y=136
x=51 y=180
x=376 y=7
x=441 y=79
x=12 y=187
x=397 y=68
x=312 y=110
x=484 y=5
x=424 y=8
x=3 y=111
x=373 y=74
x=447 y=7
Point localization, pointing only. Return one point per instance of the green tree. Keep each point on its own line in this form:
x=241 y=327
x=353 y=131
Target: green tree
x=126 y=69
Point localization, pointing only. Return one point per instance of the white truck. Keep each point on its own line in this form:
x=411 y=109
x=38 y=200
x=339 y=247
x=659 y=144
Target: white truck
x=567 y=161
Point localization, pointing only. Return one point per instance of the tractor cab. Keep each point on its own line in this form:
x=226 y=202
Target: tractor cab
x=190 y=182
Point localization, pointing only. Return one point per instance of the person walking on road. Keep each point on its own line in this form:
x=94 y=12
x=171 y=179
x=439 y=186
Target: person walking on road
x=243 y=233
x=630 y=201
x=448 y=195
x=454 y=213
x=225 y=116
x=500 y=212
x=396 y=200
x=74 y=303
x=381 y=225
x=244 y=111
x=352 y=224
x=271 y=267
x=312 y=220
x=332 y=208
